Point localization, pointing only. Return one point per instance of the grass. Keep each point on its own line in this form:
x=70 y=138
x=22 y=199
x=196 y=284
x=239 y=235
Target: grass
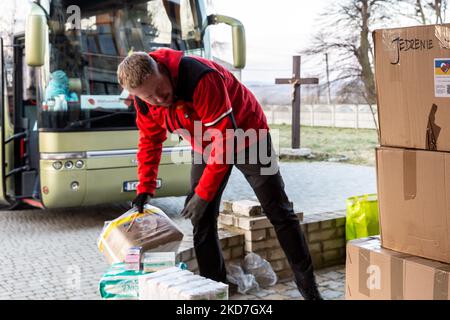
x=356 y=146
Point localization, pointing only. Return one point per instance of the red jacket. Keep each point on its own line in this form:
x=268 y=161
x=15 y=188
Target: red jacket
x=205 y=92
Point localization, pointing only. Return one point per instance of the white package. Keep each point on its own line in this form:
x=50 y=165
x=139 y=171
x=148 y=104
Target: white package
x=143 y=279
x=152 y=291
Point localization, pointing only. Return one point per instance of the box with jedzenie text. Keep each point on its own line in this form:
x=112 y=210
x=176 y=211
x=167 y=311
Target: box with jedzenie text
x=376 y=273
x=412 y=73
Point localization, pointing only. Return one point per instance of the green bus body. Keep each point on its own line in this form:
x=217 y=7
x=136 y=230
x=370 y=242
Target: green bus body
x=80 y=155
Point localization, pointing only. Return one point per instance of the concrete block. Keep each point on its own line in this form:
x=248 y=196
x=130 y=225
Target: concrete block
x=255 y=235
x=247 y=208
x=333 y=244
x=322 y=235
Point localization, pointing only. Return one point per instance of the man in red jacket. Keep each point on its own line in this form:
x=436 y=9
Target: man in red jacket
x=208 y=106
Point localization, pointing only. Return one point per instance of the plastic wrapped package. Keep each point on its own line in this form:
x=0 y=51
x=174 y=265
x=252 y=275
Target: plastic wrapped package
x=261 y=269
x=180 y=285
x=142 y=281
x=119 y=283
x=164 y=288
x=156 y=261
x=154 y=285
x=176 y=292
x=152 y=230
x=205 y=290
x=237 y=276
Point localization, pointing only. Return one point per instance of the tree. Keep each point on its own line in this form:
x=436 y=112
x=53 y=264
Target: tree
x=427 y=12
x=346 y=35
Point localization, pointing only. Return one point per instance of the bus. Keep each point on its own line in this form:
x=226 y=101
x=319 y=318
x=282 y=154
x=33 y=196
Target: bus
x=68 y=132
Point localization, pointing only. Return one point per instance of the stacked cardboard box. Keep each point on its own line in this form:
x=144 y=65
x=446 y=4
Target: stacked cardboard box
x=378 y=273
x=412 y=69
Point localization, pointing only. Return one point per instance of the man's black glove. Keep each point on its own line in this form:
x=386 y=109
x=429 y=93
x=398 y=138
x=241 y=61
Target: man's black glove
x=140 y=200
x=194 y=209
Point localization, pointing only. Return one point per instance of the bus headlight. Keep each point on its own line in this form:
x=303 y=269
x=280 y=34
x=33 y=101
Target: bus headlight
x=79 y=164
x=75 y=185
x=57 y=165
x=68 y=165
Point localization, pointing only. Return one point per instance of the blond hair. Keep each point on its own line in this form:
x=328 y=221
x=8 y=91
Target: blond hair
x=134 y=69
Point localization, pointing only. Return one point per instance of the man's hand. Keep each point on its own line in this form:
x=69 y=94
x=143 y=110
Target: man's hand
x=140 y=200
x=194 y=209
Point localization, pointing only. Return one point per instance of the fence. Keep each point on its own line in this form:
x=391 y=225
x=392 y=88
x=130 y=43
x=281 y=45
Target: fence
x=338 y=115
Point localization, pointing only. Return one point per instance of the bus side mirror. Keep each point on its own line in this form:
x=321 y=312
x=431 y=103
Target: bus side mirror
x=35 y=37
x=238 y=37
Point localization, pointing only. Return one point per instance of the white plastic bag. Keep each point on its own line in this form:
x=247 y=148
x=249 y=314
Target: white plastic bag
x=260 y=269
x=245 y=282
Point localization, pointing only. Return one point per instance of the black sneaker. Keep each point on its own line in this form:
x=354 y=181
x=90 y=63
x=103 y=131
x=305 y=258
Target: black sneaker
x=310 y=292
x=307 y=285
x=232 y=288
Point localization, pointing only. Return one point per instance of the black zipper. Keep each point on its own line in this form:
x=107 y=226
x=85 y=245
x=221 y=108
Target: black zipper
x=167 y=123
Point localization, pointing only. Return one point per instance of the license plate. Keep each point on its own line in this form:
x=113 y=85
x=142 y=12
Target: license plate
x=132 y=185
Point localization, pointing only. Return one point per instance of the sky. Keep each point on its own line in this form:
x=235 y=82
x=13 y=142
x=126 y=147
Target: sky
x=275 y=31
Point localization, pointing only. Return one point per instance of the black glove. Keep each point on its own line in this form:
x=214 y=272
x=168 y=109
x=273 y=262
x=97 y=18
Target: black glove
x=140 y=200
x=194 y=209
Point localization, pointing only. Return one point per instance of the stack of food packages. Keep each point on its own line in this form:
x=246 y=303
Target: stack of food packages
x=141 y=248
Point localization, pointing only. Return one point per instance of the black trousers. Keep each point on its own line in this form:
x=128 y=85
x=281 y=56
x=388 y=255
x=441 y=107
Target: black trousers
x=269 y=189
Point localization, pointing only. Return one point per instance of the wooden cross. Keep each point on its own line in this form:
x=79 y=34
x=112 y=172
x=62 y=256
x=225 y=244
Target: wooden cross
x=296 y=81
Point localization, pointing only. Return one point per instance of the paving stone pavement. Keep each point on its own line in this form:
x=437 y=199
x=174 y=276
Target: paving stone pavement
x=52 y=254
x=331 y=283
x=314 y=187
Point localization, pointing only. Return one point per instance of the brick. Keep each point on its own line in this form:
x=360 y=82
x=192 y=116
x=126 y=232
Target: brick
x=192 y=264
x=285 y=275
x=331 y=255
x=275 y=253
x=247 y=208
x=227 y=205
x=235 y=241
x=186 y=255
x=327 y=224
x=226 y=254
x=226 y=219
x=237 y=252
x=263 y=253
x=333 y=244
x=253 y=223
x=271 y=233
x=322 y=235
x=340 y=232
x=315 y=247
x=313 y=226
x=224 y=242
x=255 y=235
x=340 y=222
x=251 y=246
x=279 y=265
x=317 y=260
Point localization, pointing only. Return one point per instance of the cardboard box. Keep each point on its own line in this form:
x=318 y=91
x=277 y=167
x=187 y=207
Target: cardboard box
x=375 y=273
x=414 y=201
x=412 y=71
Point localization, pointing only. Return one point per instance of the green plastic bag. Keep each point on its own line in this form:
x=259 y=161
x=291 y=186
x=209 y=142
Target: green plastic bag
x=362 y=217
